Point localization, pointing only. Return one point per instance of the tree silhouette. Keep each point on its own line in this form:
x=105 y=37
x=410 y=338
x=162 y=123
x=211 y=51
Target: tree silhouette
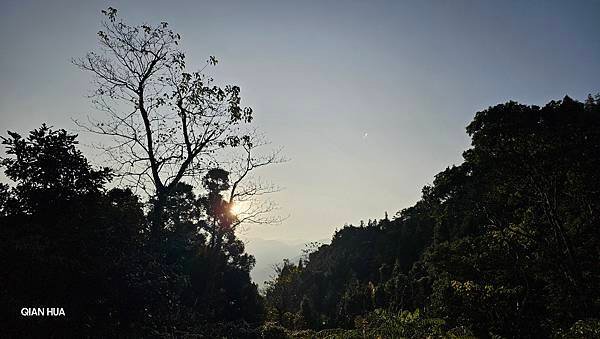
x=168 y=124
x=65 y=241
x=69 y=242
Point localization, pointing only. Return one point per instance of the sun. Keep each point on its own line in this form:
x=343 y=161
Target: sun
x=237 y=208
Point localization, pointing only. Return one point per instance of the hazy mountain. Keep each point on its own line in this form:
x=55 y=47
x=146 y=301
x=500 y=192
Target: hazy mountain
x=269 y=253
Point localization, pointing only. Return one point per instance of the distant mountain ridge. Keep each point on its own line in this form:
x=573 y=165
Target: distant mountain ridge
x=271 y=252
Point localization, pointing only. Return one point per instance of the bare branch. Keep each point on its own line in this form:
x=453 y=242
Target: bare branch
x=165 y=123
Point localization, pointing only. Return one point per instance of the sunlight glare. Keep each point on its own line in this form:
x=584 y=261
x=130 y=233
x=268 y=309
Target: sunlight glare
x=237 y=208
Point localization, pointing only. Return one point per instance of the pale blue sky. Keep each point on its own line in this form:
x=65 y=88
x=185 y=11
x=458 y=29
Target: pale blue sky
x=321 y=74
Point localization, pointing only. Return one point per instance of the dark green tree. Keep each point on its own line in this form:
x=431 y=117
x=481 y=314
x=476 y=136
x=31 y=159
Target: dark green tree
x=65 y=241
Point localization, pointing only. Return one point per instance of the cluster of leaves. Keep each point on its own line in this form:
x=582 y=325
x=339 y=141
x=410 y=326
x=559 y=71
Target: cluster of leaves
x=67 y=241
x=377 y=324
x=504 y=244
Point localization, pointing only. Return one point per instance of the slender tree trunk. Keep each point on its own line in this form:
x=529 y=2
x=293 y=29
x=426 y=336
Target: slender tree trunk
x=156 y=220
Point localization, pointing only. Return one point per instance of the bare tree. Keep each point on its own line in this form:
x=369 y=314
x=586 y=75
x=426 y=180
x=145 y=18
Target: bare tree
x=167 y=124
x=246 y=190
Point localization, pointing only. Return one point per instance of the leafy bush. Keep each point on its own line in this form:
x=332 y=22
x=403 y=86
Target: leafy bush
x=273 y=331
x=588 y=328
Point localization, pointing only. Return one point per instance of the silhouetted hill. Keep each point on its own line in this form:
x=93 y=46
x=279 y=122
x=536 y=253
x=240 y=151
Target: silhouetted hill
x=504 y=244
x=269 y=253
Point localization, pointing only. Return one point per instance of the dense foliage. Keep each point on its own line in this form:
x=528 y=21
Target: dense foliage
x=67 y=241
x=504 y=244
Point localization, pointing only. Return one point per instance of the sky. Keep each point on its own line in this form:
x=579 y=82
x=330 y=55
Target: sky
x=369 y=99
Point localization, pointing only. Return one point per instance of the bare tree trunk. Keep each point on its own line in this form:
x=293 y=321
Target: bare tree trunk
x=156 y=220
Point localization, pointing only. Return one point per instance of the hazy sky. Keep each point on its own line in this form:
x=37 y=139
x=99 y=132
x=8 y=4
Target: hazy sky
x=369 y=99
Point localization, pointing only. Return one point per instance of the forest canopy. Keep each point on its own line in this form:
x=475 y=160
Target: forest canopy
x=504 y=244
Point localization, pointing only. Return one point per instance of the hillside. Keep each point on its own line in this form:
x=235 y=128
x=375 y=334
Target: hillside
x=504 y=244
